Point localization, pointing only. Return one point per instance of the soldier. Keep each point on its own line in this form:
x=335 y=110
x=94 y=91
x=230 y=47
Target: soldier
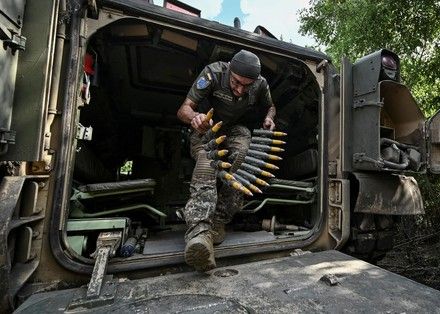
x=239 y=95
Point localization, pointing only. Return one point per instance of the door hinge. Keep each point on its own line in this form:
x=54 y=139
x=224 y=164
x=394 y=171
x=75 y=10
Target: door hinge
x=13 y=40
x=84 y=133
x=339 y=210
x=7 y=136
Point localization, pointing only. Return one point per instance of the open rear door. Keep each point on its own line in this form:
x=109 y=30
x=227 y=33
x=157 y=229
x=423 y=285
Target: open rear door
x=27 y=70
x=433 y=143
x=27 y=31
x=11 y=16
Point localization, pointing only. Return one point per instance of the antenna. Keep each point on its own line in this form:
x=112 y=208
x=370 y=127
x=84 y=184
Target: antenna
x=237 y=23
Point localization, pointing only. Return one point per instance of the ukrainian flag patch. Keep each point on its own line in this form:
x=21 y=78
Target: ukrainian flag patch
x=202 y=83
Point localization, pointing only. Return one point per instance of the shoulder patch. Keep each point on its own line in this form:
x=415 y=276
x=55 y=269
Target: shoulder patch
x=202 y=83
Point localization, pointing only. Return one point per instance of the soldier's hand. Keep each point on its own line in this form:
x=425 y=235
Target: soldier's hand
x=268 y=124
x=200 y=124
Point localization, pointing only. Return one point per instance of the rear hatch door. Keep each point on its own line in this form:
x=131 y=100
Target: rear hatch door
x=11 y=16
x=27 y=31
x=329 y=282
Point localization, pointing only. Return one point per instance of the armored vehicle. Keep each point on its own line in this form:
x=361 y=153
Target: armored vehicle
x=95 y=165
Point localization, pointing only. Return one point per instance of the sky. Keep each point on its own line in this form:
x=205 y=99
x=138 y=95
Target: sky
x=280 y=20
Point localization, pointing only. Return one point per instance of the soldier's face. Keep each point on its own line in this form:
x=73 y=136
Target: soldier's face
x=239 y=85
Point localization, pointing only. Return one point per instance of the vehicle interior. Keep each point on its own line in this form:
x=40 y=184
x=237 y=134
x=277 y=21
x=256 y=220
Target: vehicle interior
x=134 y=173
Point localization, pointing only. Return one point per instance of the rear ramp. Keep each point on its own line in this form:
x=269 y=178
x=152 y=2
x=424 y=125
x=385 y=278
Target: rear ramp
x=323 y=282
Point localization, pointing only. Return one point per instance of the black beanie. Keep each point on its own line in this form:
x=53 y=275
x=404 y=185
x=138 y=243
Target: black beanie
x=246 y=64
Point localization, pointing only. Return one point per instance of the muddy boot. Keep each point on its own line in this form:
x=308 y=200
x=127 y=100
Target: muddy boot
x=218 y=233
x=199 y=252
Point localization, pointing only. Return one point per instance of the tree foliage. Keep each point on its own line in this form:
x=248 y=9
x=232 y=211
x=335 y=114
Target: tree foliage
x=410 y=28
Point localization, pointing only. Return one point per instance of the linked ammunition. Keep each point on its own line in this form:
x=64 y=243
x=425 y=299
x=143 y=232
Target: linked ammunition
x=218 y=164
x=265 y=148
x=216 y=127
x=251 y=177
x=267 y=141
x=260 y=163
x=212 y=144
x=233 y=156
x=225 y=175
x=267 y=133
x=256 y=170
x=216 y=154
x=212 y=131
x=262 y=155
x=247 y=184
x=232 y=182
x=209 y=115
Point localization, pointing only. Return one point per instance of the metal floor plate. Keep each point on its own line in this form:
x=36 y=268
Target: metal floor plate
x=284 y=285
x=173 y=242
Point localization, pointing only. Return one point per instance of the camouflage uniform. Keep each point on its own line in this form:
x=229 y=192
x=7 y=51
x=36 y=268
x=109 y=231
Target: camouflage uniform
x=205 y=206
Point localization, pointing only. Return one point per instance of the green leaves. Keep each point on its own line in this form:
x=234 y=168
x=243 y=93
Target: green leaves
x=410 y=28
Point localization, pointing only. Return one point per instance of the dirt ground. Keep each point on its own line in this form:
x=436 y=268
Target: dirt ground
x=417 y=258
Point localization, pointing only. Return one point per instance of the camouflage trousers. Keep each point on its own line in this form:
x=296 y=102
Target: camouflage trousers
x=210 y=203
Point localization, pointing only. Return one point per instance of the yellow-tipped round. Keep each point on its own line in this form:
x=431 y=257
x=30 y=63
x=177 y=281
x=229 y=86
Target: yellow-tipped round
x=267 y=174
x=274 y=157
x=278 y=133
x=271 y=166
x=246 y=191
x=225 y=165
x=228 y=176
x=238 y=186
x=218 y=164
x=261 y=182
x=222 y=152
x=209 y=115
x=278 y=142
x=254 y=189
x=217 y=127
x=220 y=139
x=276 y=149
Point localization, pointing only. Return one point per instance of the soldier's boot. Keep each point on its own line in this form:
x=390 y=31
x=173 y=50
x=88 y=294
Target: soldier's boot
x=218 y=233
x=199 y=252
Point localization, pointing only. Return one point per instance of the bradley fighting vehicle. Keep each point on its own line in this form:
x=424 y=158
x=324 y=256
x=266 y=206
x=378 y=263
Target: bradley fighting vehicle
x=95 y=164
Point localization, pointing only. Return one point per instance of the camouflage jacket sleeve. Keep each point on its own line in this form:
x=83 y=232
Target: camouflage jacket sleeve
x=202 y=87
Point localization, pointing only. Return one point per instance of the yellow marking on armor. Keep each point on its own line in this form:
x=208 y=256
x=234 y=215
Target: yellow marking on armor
x=220 y=139
x=209 y=76
x=225 y=165
x=217 y=127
